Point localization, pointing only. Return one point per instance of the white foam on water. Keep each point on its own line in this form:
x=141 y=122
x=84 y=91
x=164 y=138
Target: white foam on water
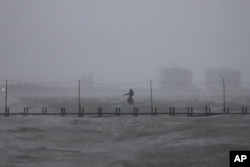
x=121 y=140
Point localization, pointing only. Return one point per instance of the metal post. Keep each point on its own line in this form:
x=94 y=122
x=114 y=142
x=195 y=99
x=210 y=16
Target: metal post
x=151 y=97
x=6 y=95
x=79 y=95
x=224 y=96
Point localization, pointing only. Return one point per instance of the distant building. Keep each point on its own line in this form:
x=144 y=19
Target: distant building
x=214 y=78
x=86 y=81
x=176 y=78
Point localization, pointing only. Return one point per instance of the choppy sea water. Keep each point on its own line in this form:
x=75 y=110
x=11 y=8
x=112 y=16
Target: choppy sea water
x=118 y=141
x=144 y=141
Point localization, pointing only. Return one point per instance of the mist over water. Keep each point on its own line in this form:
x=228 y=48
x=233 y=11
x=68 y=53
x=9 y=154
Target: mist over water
x=192 y=53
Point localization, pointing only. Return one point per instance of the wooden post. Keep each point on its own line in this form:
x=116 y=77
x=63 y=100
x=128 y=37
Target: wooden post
x=25 y=111
x=82 y=112
x=244 y=110
x=190 y=111
x=155 y=111
x=63 y=111
x=100 y=111
x=172 y=111
x=116 y=110
x=7 y=112
x=44 y=110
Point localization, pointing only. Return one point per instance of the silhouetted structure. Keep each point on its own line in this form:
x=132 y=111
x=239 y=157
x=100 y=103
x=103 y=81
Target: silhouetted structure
x=176 y=80
x=231 y=77
x=87 y=81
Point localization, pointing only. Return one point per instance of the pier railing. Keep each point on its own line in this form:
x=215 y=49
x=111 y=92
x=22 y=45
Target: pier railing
x=171 y=111
x=151 y=98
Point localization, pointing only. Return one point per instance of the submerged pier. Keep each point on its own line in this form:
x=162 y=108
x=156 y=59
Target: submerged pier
x=100 y=112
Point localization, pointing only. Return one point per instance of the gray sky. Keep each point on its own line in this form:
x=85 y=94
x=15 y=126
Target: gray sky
x=120 y=41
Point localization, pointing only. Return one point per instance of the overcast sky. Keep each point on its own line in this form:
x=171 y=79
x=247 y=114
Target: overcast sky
x=121 y=40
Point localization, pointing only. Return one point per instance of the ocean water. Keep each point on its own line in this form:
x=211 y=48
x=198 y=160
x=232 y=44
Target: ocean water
x=125 y=141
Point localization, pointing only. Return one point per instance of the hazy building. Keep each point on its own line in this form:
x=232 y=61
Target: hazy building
x=214 y=78
x=176 y=79
x=86 y=81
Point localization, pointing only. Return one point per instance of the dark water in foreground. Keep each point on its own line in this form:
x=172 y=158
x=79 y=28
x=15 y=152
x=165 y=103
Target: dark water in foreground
x=125 y=141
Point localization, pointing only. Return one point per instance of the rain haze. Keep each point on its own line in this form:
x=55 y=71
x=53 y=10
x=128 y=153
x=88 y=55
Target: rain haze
x=121 y=41
x=132 y=83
